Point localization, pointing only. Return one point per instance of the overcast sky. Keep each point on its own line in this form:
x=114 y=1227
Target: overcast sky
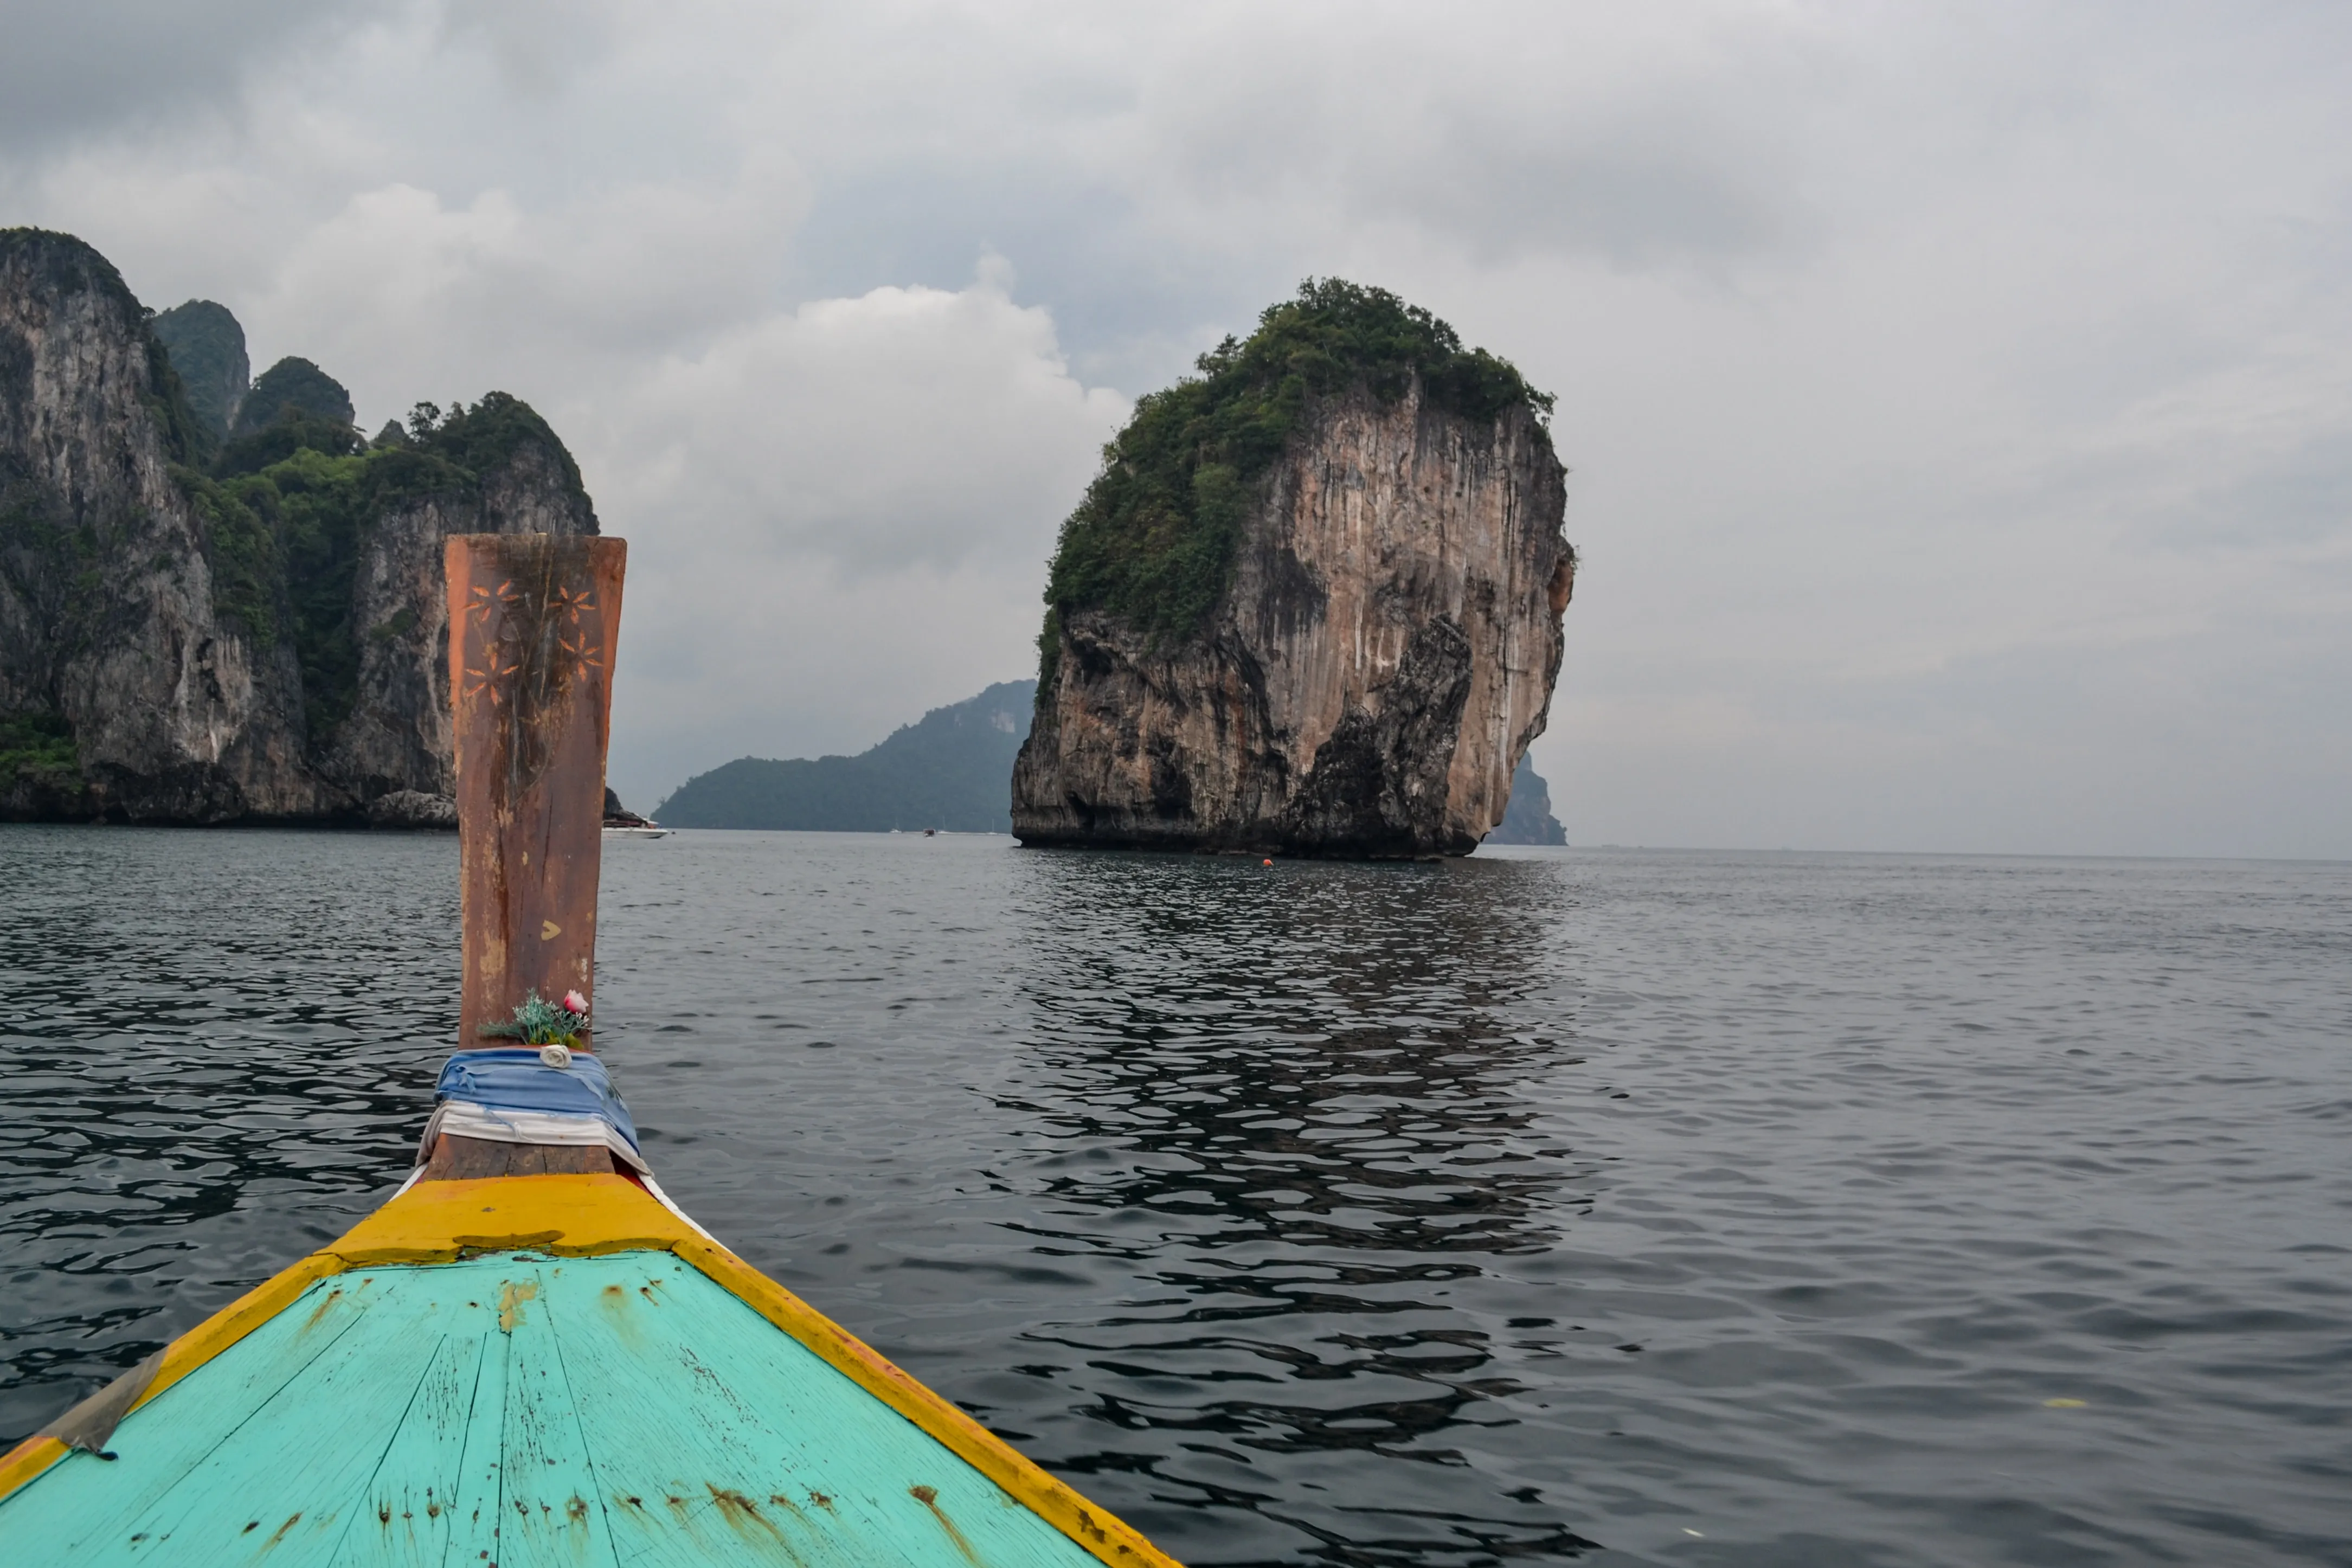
x=1958 y=400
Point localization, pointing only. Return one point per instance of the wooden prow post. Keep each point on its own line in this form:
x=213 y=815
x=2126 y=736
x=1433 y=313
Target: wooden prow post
x=533 y=619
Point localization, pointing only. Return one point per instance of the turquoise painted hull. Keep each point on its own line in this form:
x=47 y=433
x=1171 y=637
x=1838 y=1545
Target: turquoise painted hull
x=517 y=1410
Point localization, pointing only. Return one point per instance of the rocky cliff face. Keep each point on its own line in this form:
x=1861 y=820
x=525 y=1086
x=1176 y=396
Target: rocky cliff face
x=188 y=637
x=398 y=738
x=106 y=618
x=1367 y=682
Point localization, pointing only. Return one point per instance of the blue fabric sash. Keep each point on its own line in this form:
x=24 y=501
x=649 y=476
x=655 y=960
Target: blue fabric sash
x=516 y=1079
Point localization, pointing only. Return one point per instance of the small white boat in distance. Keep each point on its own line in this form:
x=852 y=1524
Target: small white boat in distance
x=620 y=822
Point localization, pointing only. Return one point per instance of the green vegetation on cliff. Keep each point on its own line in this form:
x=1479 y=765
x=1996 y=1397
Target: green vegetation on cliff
x=208 y=348
x=1154 y=539
x=38 y=749
x=51 y=554
x=67 y=265
x=319 y=551
x=292 y=386
x=288 y=510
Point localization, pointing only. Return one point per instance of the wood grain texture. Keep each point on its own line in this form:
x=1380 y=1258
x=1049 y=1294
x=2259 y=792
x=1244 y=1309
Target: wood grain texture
x=224 y=1328
x=1104 y=1535
x=458 y=1159
x=407 y=1510
x=83 y=1507
x=297 y=1470
x=533 y=621
x=552 y=1501
x=785 y=1459
x=525 y=1410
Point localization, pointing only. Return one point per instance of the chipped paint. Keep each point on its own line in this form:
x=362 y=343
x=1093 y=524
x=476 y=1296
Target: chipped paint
x=512 y=1296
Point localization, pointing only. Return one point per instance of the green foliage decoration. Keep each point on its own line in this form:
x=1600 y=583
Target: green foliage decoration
x=538 y=1022
x=1153 y=540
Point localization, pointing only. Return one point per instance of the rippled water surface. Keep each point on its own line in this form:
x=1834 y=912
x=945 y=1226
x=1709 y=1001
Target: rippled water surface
x=1555 y=1204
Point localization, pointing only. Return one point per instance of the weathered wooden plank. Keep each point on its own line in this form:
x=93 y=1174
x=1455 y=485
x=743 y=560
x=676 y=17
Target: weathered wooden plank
x=620 y=1408
x=405 y=1519
x=481 y=1463
x=292 y=1477
x=458 y=1159
x=552 y=1512
x=739 y=1444
x=533 y=620
x=80 y=1508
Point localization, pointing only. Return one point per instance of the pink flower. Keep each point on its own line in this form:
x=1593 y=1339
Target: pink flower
x=576 y=1003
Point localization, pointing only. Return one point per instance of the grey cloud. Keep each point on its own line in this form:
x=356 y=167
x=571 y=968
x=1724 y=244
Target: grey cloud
x=1633 y=205
x=1506 y=137
x=1955 y=393
x=1131 y=308
x=540 y=45
x=2295 y=498
x=109 y=65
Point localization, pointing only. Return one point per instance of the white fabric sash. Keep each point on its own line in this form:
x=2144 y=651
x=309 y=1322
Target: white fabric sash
x=466 y=1119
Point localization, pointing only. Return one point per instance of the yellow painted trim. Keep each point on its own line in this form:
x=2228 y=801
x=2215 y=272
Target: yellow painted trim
x=588 y=1215
x=1106 y=1536
x=569 y=1216
x=28 y=1459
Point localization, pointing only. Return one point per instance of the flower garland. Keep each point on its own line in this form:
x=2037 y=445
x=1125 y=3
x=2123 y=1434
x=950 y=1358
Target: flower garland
x=543 y=1023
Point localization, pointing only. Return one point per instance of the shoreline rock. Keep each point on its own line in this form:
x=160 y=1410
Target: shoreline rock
x=413 y=808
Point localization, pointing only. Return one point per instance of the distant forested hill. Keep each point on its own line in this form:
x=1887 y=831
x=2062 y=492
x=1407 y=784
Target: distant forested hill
x=952 y=771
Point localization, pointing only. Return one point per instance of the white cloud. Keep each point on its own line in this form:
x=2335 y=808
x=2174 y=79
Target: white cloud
x=852 y=498
x=906 y=426
x=409 y=291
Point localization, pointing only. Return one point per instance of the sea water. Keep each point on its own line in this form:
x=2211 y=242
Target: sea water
x=1640 y=1207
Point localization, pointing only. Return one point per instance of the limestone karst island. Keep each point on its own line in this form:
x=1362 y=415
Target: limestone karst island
x=1311 y=604
x=221 y=602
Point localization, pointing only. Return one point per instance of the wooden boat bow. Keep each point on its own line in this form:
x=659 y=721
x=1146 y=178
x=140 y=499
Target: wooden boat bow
x=529 y=1355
